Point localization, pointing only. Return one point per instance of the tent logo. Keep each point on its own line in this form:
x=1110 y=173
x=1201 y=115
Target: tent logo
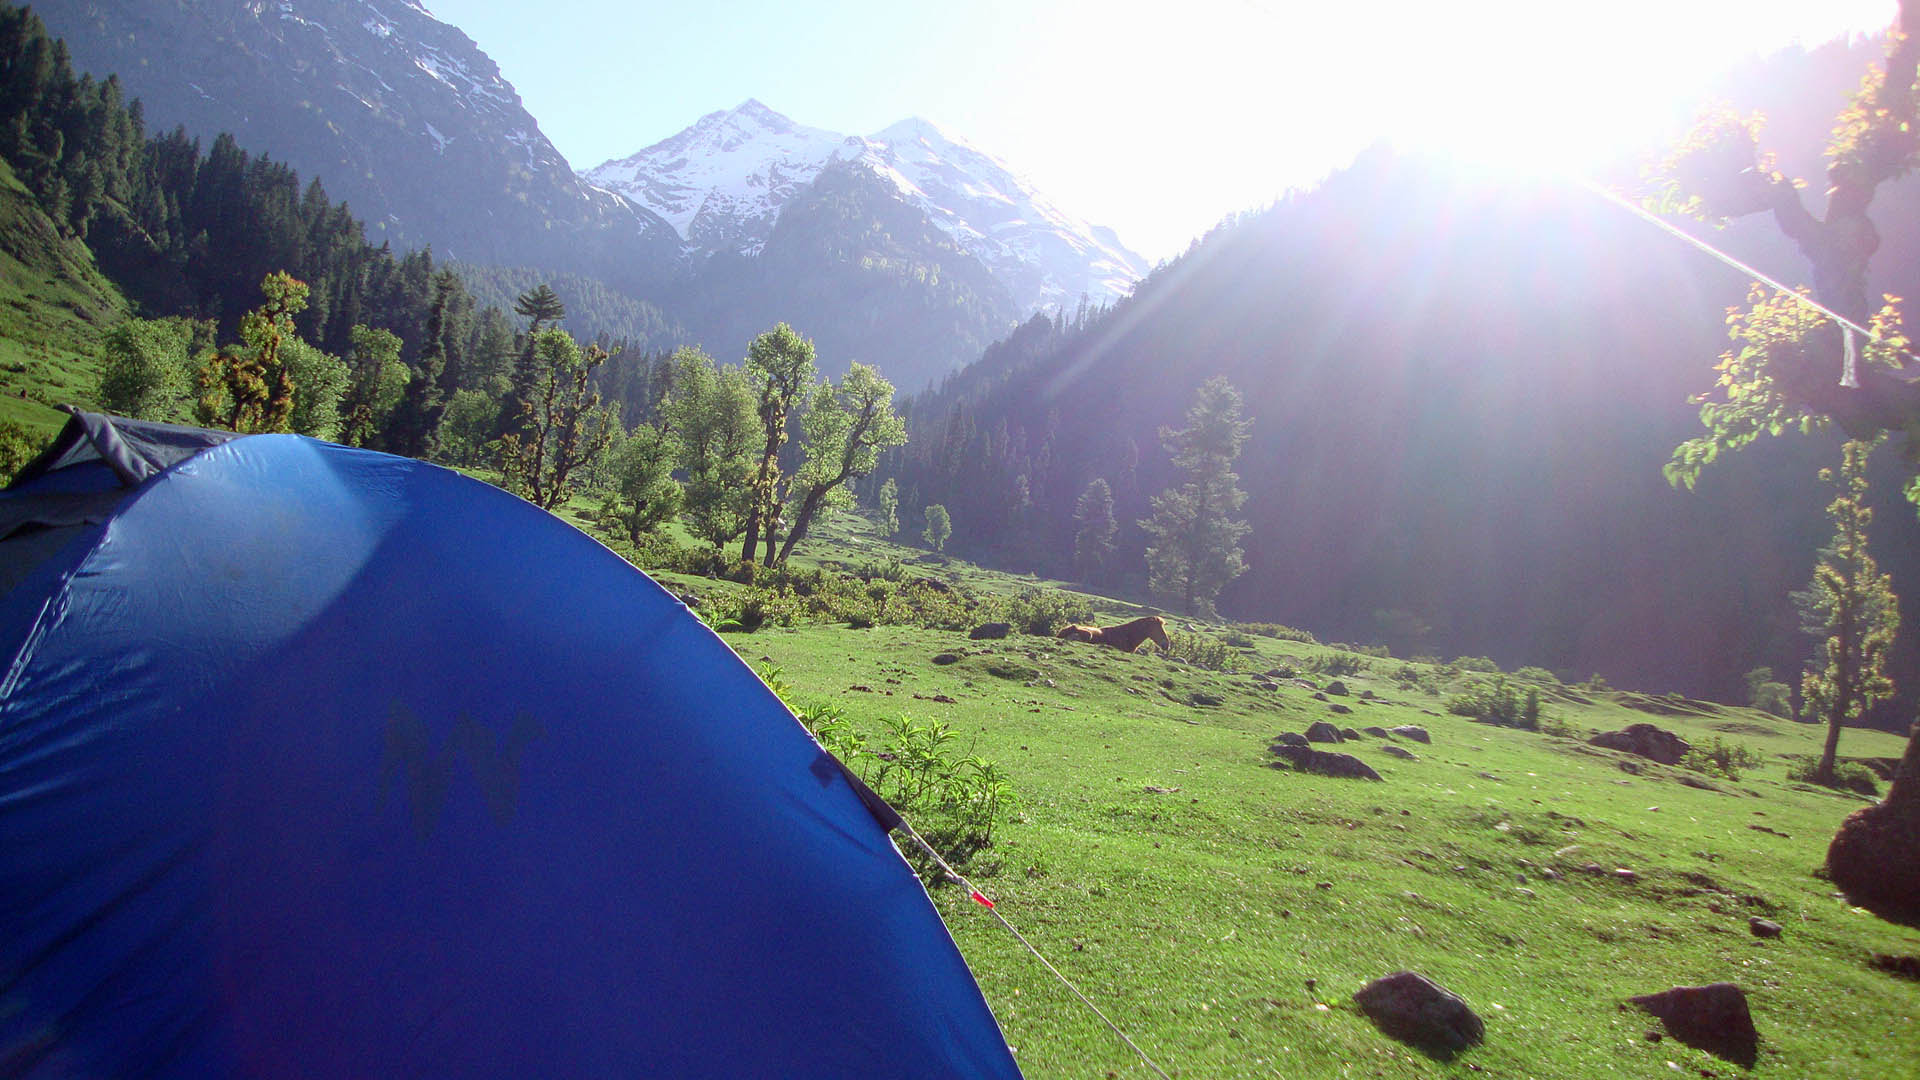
x=426 y=770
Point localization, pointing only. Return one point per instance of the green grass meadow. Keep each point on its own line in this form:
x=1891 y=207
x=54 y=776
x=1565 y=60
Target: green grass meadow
x=1223 y=911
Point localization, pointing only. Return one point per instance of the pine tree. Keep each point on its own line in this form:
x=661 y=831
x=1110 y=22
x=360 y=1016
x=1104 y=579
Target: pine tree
x=1093 y=540
x=889 y=508
x=1195 y=547
x=1850 y=606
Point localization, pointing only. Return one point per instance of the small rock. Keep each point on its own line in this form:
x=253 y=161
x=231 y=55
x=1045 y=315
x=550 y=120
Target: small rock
x=1349 y=735
x=1318 y=696
x=1323 y=884
x=1713 y=1018
x=1550 y=873
x=1765 y=928
x=1339 y=708
x=1417 y=734
x=946 y=658
x=992 y=630
x=1323 y=732
x=1593 y=868
x=1400 y=752
x=1414 y=1009
x=1291 y=738
x=1625 y=874
x=1524 y=892
x=1337 y=688
x=1490 y=776
x=1378 y=732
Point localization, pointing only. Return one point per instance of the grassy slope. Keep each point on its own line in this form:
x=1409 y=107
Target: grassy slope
x=54 y=304
x=1193 y=891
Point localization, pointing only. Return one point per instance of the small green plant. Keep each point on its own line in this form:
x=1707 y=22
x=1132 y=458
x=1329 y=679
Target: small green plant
x=1722 y=758
x=1553 y=725
x=1498 y=702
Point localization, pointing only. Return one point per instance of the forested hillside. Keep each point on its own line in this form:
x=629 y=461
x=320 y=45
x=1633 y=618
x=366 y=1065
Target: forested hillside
x=1462 y=391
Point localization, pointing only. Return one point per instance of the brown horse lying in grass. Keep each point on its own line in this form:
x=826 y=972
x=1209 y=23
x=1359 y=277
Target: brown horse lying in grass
x=1126 y=637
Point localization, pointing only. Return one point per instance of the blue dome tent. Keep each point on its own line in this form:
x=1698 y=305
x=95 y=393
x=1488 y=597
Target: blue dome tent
x=319 y=762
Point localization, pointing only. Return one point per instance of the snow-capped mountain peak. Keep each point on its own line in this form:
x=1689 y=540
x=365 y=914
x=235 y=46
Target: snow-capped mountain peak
x=723 y=182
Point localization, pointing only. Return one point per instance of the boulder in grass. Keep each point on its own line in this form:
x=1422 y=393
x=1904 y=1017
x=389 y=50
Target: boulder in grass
x=990 y=631
x=1291 y=738
x=1323 y=732
x=1378 y=732
x=1647 y=741
x=1307 y=759
x=1409 y=731
x=1416 y=1010
x=1713 y=1018
x=1875 y=857
x=1400 y=752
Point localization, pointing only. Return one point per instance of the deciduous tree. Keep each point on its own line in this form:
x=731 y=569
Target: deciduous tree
x=780 y=365
x=564 y=425
x=1850 y=607
x=846 y=427
x=710 y=414
x=939 y=527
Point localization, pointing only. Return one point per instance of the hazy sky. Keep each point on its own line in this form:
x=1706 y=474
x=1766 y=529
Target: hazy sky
x=1157 y=119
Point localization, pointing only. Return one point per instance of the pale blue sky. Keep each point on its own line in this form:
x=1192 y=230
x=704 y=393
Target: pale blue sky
x=1156 y=119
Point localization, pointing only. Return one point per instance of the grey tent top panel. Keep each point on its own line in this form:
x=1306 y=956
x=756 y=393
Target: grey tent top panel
x=133 y=449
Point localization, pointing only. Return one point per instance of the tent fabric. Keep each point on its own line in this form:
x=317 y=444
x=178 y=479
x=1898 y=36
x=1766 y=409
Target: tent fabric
x=319 y=762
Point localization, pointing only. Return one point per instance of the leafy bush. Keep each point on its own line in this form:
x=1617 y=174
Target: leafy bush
x=890 y=570
x=1238 y=640
x=1475 y=663
x=1038 y=611
x=1336 y=664
x=17 y=447
x=1537 y=674
x=1201 y=651
x=1497 y=702
x=1553 y=725
x=1721 y=759
x=1847 y=776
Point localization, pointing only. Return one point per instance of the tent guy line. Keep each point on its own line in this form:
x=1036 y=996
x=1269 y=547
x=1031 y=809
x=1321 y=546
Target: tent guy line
x=980 y=898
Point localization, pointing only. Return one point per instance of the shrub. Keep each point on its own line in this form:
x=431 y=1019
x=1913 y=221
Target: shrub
x=890 y=570
x=1201 y=651
x=1553 y=725
x=1238 y=640
x=17 y=447
x=1497 y=702
x=1276 y=630
x=1537 y=674
x=1475 y=663
x=1040 y=612
x=1774 y=697
x=1336 y=664
x=1722 y=758
x=1847 y=776
x=952 y=800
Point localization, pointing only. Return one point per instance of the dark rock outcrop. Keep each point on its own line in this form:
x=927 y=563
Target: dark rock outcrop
x=1415 y=1009
x=1875 y=857
x=1713 y=1018
x=1647 y=741
x=990 y=631
x=1323 y=732
x=1307 y=759
x=1290 y=738
x=1417 y=734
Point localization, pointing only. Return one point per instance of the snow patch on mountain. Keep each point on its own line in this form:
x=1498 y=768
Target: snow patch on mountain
x=723 y=182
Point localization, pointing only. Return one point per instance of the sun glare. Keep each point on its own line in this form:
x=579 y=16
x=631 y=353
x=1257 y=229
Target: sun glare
x=1532 y=87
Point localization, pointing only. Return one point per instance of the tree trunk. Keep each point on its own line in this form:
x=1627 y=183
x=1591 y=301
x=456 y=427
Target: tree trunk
x=808 y=507
x=1837 y=712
